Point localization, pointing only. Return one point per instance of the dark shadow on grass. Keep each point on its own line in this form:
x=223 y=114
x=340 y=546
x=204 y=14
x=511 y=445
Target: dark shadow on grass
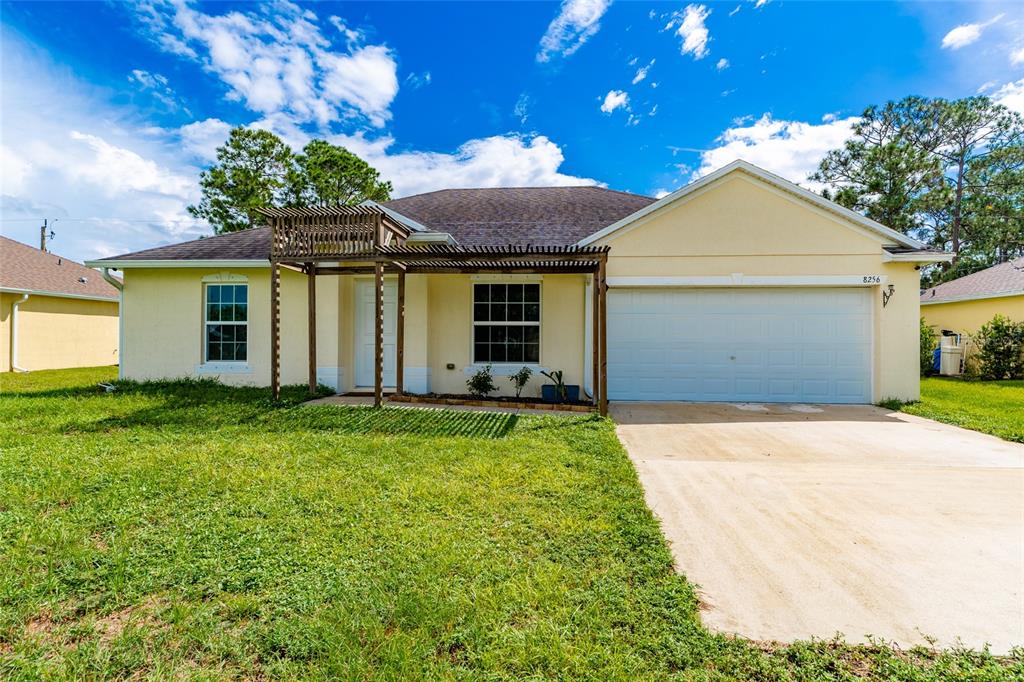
x=393 y=421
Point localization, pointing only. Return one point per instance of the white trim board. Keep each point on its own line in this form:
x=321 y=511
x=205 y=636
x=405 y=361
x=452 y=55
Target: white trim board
x=770 y=179
x=58 y=294
x=193 y=263
x=738 y=279
x=973 y=297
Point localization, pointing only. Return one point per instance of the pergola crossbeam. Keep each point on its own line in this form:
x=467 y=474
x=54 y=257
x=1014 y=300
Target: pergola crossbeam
x=372 y=242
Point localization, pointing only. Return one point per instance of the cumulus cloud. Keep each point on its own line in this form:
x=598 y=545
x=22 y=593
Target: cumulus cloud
x=614 y=100
x=722 y=64
x=641 y=73
x=496 y=161
x=113 y=184
x=277 y=59
x=689 y=26
x=576 y=23
x=791 y=149
x=965 y=34
x=201 y=138
x=1011 y=96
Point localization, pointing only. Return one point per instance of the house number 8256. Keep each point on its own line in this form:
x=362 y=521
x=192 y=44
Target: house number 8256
x=872 y=279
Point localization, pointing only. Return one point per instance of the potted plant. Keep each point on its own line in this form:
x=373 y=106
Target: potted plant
x=558 y=391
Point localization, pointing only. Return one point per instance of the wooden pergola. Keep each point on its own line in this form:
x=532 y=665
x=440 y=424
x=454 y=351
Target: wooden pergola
x=351 y=240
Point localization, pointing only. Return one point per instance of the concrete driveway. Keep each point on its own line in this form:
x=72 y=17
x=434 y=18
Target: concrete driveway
x=798 y=521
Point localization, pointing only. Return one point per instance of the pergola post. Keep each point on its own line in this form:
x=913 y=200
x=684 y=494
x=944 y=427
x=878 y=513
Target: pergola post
x=603 y=344
x=275 y=330
x=378 y=333
x=311 y=296
x=400 y=335
x=596 y=333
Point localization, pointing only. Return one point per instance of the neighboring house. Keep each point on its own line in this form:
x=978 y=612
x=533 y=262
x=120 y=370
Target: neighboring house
x=963 y=305
x=54 y=313
x=739 y=287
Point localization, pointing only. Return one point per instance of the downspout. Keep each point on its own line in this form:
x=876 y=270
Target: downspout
x=119 y=285
x=14 y=334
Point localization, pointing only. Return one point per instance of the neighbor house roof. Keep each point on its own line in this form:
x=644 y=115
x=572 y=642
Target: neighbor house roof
x=1005 y=279
x=24 y=269
x=519 y=216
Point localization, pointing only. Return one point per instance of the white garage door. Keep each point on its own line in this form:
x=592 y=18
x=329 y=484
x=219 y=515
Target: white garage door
x=756 y=345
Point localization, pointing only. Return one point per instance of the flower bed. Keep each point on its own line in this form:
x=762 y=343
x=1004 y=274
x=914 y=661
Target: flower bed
x=507 y=402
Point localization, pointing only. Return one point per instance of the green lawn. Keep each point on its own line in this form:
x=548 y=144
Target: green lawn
x=995 y=407
x=188 y=530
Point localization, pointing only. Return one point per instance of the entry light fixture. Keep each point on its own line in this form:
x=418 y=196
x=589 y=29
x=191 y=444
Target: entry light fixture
x=887 y=294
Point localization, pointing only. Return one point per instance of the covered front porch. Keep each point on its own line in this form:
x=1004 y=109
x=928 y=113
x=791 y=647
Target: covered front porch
x=387 y=268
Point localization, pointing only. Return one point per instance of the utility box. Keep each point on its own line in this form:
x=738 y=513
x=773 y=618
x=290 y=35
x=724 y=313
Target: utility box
x=951 y=356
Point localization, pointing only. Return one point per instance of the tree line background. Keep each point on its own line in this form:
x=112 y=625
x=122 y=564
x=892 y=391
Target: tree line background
x=949 y=173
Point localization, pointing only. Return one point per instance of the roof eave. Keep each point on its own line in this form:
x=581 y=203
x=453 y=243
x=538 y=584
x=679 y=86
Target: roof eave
x=972 y=297
x=116 y=264
x=59 y=294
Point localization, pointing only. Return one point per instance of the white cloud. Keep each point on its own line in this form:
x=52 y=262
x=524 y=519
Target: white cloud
x=277 y=60
x=965 y=34
x=496 y=161
x=1011 y=96
x=722 y=64
x=791 y=149
x=111 y=181
x=735 y=10
x=613 y=100
x=202 y=138
x=760 y=3
x=641 y=73
x=1017 y=56
x=157 y=85
x=522 y=108
x=689 y=26
x=576 y=23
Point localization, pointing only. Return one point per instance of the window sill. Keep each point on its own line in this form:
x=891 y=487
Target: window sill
x=224 y=368
x=503 y=369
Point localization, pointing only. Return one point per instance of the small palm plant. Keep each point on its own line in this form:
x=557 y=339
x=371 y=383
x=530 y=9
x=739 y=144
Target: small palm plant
x=556 y=379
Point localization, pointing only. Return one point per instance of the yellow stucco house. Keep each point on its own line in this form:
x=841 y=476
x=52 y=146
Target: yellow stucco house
x=963 y=305
x=739 y=287
x=54 y=313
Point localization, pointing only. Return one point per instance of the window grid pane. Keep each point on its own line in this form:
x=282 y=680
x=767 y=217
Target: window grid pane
x=506 y=321
x=227 y=312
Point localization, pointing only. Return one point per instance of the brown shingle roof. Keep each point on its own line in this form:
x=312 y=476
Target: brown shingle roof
x=1003 y=279
x=538 y=216
x=26 y=268
x=251 y=244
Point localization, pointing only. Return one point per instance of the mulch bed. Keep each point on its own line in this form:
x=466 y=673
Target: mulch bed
x=499 y=401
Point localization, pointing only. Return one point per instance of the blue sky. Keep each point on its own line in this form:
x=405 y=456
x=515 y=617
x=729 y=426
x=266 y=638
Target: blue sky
x=110 y=110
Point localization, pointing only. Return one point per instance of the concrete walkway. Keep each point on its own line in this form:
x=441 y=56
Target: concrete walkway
x=800 y=521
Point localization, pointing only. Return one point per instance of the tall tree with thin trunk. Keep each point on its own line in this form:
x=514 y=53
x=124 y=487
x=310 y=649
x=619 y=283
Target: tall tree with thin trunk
x=946 y=172
x=251 y=172
x=326 y=174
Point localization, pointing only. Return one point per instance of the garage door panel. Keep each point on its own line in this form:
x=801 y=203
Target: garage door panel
x=810 y=344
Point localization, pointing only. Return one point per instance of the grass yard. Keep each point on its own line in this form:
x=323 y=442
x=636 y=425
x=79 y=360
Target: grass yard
x=189 y=530
x=995 y=407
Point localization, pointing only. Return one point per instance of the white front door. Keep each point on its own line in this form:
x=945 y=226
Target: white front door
x=756 y=345
x=364 y=333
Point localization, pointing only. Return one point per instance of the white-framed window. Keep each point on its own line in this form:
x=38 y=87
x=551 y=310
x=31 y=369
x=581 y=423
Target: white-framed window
x=506 y=322
x=226 y=329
